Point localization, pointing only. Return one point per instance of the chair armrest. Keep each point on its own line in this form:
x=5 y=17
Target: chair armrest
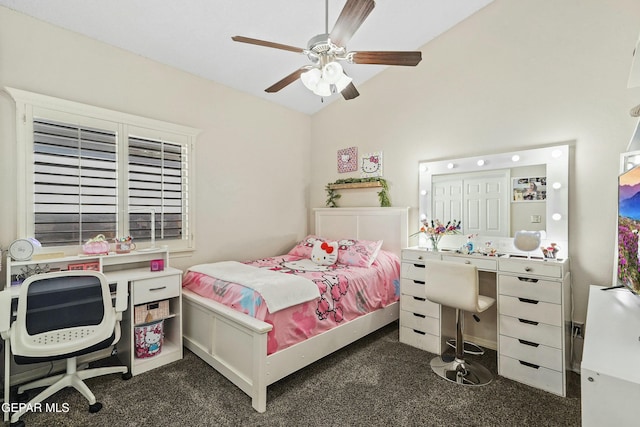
x=5 y=313
x=122 y=295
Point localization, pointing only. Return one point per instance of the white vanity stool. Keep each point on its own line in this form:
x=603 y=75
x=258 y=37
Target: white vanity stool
x=456 y=285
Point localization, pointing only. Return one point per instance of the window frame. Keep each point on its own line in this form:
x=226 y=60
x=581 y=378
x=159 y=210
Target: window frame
x=30 y=105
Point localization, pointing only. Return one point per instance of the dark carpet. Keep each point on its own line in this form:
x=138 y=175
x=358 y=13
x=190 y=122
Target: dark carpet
x=375 y=381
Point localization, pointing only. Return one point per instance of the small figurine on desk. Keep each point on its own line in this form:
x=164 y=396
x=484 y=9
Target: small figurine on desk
x=124 y=245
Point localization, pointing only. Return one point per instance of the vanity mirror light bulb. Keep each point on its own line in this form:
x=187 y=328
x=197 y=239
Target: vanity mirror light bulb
x=556 y=186
x=515 y=158
x=450 y=166
x=556 y=153
x=423 y=193
x=423 y=217
x=423 y=168
x=556 y=217
x=480 y=162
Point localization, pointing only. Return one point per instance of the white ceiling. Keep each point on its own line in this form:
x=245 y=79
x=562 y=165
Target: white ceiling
x=195 y=35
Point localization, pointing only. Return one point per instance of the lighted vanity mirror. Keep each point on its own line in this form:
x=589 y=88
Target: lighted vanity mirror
x=497 y=195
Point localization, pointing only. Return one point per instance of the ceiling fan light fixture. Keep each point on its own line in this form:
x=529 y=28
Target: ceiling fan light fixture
x=343 y=82
x=332 y=72
x=323 y=88
x=311 y=78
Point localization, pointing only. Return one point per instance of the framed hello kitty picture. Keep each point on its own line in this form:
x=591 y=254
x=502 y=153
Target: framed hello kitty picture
x=348 y=160
x=371 y=164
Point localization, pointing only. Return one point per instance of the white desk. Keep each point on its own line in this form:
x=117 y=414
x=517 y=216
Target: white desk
x=610 y=378
x=532 y=314
x=143 y=286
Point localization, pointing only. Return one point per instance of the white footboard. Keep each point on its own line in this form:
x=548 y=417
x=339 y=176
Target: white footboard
x=233 y=343
x=236 y=344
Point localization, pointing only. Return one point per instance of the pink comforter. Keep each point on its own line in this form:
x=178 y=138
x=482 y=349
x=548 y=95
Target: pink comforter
x=346 y=292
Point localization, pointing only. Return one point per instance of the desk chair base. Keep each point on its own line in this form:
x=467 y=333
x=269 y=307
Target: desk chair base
x=70 y=378
x=461 y=372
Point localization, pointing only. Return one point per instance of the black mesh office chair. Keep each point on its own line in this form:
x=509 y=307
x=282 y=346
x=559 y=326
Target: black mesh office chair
x=63 y=315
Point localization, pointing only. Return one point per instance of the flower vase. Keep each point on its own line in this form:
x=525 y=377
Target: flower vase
x=435 y=239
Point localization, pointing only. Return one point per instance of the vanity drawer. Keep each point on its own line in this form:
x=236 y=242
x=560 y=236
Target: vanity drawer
x=528 y=351
x=529 y=309
x=413 y=271
x=526 y=287
x=531 y=374
x=420 y=322
x=156 y=288
x=482 y=263
x=418 y=255
x=537 y=268
x=419 y=305
x=530 y=331
x=419 y=339
x=412 y=287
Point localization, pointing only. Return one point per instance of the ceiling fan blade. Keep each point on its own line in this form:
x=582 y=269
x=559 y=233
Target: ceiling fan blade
x=287 y=80
x=265 y=43
x=352 y=16
x=386 y=58
x=350 y=92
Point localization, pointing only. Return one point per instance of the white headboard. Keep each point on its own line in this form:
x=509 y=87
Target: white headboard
x=386 y=224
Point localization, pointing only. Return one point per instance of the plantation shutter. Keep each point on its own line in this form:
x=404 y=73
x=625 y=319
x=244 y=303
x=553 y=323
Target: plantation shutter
x=157 y=181
x=75 y=183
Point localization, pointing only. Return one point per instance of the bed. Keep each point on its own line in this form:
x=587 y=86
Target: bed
x=239 y=346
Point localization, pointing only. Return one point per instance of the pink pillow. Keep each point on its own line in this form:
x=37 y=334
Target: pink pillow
x=360 y=253
x=303 y=249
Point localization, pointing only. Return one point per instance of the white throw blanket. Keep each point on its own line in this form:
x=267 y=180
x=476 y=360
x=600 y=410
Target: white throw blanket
x=279 y=290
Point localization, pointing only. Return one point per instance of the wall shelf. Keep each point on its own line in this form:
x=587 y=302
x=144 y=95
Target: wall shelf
x=350 y=185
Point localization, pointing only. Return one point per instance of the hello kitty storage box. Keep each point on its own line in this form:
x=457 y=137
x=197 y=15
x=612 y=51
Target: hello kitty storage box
x=148 y=339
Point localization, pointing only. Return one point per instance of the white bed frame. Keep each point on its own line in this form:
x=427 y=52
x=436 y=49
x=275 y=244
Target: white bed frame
x=235 y=344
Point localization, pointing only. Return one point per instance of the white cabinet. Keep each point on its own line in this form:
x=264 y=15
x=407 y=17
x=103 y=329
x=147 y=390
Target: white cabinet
x=419 y=318
x=534 y=318
x=610 y=382
x=533 y=309
x=151 y=287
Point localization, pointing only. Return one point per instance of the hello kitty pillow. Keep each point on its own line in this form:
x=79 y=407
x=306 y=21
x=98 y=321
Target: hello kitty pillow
x=324 y=253
x=359 y=253
x=303 y=249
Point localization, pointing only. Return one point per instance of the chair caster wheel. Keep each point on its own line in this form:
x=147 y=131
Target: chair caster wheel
x=95 y=407
x=127 y=376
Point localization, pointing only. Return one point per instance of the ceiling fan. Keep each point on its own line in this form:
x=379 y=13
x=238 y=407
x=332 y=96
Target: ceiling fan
x=325 y=76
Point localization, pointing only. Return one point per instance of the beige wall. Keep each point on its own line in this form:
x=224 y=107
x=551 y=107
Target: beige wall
x=252 y=157
x=516 y=74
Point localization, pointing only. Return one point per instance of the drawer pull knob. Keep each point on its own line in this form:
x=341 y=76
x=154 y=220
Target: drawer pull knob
x=528 y=322
x=528 y=301
x=527 y=269
x=418 y=265
x=528 y=279
x=419 y=282
x=420 y=257
x=467 y=261
x=419 y=332
x=529 y=343
x=422 y=316
x=530 y=365
x=419 y=299
x=158 y=289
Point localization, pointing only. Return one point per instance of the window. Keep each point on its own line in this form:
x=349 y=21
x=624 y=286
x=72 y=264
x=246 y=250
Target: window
x=86 y=171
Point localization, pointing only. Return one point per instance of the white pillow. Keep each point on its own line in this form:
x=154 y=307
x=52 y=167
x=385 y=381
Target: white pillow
x=324 y=253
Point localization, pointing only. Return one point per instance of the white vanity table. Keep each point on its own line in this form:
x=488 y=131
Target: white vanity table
x=533 y=314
